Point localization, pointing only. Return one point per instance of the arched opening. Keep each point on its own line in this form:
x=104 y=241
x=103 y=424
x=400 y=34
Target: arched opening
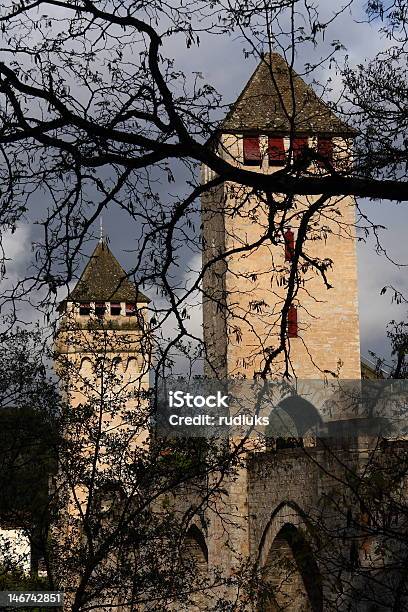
x=85 y=378
x=194 y=559
x=132 y=365
x=291 y=422
x=194 y=549
x=291 y=579
x=116 y=363
x=86 y=365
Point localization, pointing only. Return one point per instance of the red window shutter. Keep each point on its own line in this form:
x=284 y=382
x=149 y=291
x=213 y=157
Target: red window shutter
x=299 y=145
x=289 y=244
x=276 y=151
x=130 y=309
x=292 y=322
x=325 y=149
x=252 y=153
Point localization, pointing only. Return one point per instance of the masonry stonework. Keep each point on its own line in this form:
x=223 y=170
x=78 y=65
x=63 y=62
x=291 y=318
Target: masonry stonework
x=275 y=496
x=274 y=493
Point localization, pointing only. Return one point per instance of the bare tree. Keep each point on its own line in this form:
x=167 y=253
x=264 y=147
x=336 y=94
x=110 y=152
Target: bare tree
x=94 y=111
x=120 y=513
x=87 y=125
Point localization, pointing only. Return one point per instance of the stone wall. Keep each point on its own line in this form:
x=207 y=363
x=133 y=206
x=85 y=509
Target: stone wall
x=253 y=284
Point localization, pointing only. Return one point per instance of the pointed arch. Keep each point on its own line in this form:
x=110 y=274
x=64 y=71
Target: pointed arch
x=291 y=420
x=290 y=575
x=194 y=566
x=194 y=548
x=302 y=412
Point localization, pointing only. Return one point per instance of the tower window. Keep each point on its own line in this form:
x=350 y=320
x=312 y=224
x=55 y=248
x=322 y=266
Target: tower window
x=289 y=244
x=252 y=152
x=325 y=149
x=292 y=322
x=115 y=309
x=84 y=309
x=276 y=151
x=130 y=309
x=299 y=146
x=100 y=309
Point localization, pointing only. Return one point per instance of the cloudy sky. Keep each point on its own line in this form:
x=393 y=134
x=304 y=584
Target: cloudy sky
x=222 y=64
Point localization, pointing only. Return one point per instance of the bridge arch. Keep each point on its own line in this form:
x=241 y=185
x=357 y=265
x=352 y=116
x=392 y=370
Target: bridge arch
x=194 y=558
x=194 y=549
x=290 y=576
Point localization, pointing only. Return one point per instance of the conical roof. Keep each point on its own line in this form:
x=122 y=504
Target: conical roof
x=266 y=104
x=104 y=280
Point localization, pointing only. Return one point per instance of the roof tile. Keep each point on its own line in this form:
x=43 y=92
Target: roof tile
x=266 y=104
x=104 y=280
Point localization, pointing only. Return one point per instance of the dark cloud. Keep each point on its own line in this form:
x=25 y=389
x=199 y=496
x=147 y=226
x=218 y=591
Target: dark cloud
x=221 y=62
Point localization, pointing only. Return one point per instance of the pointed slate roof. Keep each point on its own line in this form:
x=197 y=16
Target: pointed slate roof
x=268 y=94
x=104 y=280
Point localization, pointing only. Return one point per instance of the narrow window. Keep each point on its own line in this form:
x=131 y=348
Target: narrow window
x=292 y=322
x=100 y=309
x=299 y=145
x=325 y=149
x=115 y=309
x=276 y=151
x=130 y=309
x=84 y=309
x=252 y=153
x=289 y=244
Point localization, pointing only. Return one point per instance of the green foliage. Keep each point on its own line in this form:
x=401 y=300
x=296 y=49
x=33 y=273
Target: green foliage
x=29 y=402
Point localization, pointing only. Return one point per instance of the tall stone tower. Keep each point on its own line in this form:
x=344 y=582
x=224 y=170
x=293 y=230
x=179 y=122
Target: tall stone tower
x=276 y=120
x=102 y=359
x=102 y=347
x=254 y=255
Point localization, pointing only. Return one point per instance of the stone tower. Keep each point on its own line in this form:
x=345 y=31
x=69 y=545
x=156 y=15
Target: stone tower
x=274 y=122
x=102 y=359
x=102 y=345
